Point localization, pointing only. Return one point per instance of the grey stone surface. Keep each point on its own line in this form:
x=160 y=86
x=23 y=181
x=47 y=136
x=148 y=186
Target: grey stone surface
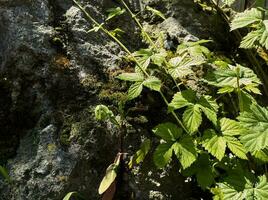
x=51 y=75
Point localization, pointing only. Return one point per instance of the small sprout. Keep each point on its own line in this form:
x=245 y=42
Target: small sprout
x=156 y=12
x=113 y=12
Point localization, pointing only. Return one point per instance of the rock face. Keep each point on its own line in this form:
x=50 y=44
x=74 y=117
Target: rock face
x=52 y=74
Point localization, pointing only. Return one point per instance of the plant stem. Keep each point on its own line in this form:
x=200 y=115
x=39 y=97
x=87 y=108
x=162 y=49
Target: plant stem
x=130 y=54
x=148 y=38
x=138 y=23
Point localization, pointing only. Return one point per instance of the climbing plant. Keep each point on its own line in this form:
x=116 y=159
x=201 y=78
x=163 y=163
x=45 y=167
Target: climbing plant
x=224 y=152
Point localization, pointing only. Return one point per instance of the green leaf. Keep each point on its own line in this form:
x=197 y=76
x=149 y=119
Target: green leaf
x=135 y=90
x=185 y=151
x=228 y=77
x=153 y=83
x=256 y=120
x=250 y=40
x=230 y=127
x=168 y=131
x=4 y=173
x=143 y=57
x=162 y=154
x=246 y=18
x=214 y=144
x=192 y=118
x=136 y=77
x=69 y=195
x=209 y=108
x=180 y=66
x=141 y=153
x=113 y=12
x=241 y=188
x=102 y=112
x=182 y=99
x=144 y=149
x=227 y=89
x=204 y=174
x=202 y=169
x=159 y=58
x=261 y=155
x=117 y=32
x=236 y=147
x=156 y=12
x=108 y=178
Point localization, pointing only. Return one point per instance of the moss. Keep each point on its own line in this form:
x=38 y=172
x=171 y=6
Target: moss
x=113 y=91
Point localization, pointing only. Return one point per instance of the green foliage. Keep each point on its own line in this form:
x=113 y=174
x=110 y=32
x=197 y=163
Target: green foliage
x=141 y=153
x=216 y=142
x=156 y=12
x=231 y=78
x=109 y=178
x=192 y=116
x=174 y=141
x=202 y=146
x=256 y=122
x=203 y=170
x=102 y=112
x=113 y=12
x=256 y=19
x=240 y=185
x=135 y=89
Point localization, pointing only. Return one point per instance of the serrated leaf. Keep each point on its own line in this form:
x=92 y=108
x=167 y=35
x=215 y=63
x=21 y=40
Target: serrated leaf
x=226 y=89
x=209 y=108
x=168 y=131
x=250 y=40
x=136 y=77
x=182 y=99
x=153 y=83
x=230 y=127
x=255 y=140
x=214 y=144
x=185 y=151
x=180 y=66
x=246 y=18
x=162 y=154
x=244 y=188
x=261 y=155
x=108 y=178
x=192 y=118
x=135 y=90
x=113 y=12
x=228 y=77
x=236 y=147
x=156 y=12
x=256 y=121
x=143 y=56
x=159 y=58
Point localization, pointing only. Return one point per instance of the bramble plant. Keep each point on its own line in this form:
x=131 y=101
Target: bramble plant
x=225 y=153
